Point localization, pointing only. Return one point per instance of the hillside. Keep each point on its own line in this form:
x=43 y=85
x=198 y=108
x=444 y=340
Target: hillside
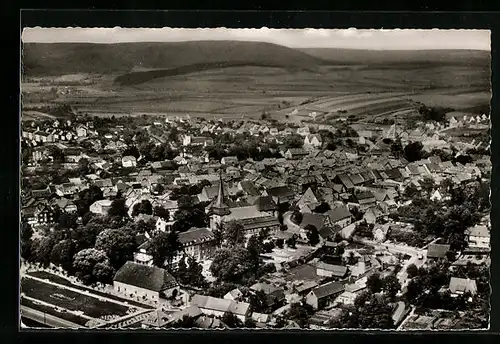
x=52 y=59
x=408 y=58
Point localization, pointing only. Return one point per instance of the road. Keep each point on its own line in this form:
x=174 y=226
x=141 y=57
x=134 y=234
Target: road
x=46 y=319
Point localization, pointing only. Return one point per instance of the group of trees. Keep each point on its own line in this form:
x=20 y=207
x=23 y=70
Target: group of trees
x=434 y=113
x=373 y=307
x=425 y=288
x=447 y=219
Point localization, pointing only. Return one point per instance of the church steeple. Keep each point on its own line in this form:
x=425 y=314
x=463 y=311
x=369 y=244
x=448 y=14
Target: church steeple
x=220 y=207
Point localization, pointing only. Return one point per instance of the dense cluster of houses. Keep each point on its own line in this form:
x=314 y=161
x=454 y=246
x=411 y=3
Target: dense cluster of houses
x=255 y=194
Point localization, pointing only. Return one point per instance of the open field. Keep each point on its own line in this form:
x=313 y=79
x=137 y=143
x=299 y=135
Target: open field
x=70 y=300
x=234 y=79
x=64 y=281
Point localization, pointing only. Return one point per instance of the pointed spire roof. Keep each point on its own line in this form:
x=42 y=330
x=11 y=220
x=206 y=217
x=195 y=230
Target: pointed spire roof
x=220 y=207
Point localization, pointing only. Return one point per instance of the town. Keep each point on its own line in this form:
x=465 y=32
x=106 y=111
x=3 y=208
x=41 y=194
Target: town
x=190 y=222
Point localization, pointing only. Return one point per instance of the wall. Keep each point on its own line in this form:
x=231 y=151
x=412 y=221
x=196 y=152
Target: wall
x=312 y=300
x=127 y=289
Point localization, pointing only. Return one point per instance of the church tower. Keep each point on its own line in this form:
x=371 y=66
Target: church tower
x=219 y=209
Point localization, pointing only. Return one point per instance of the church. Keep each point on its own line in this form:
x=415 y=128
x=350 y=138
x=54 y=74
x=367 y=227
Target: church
x=261 y=215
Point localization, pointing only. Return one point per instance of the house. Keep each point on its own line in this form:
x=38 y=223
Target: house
x=217 y=307
x=460 y=286
x=101 y=207
x=149 y=282
x=344 y=180
x=275 y=296
x=324 y=295
x=346 y=298
x=233 y=295
x=81 y=131
x=310 y=199
x=317 y=220
x=330 y=270
x=129 y=161
x=313 y=140
x=305 y=287
x=266 y=204
x=280 y=194
x=197 y=243
x=339 y=216
x=478 y=237
x=229 y=160
x=162 y=225
x=66 y=205
x=437 y=251
x=295 y=154
x=188 y=140
x=365 y=199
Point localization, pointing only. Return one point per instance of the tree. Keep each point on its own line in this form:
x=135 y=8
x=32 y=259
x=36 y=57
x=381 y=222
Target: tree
x=62 y=254
x=186 y=322
x=67 y=220
x=161 y=212
x=143 y=207
x=254 y=248
x=85 y=261
x=391 y=286
x=164 y=248
x=280 y=243
x=292 y=242
x=85 y=236
x=118 y=245
x=25 y=240
x=412 y=270
x=259 y=302
x=411 y=191
x=234 y=233
x=250 y=323
x=218 y=233
x=87 y=197
x=118 y=208
x=296 y=217
x=413 y=151
x=182 y=271
x=312 y=235
x=374 y=283
x=41 y=250
x=231 y=320
x=293 y=141
x=427 y=183
x=229 y=265
x=300 y=313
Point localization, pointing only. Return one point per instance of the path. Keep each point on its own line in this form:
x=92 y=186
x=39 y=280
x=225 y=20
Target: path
x=47 y=319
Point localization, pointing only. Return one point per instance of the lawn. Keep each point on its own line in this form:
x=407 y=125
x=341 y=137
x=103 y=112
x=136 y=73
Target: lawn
x=70 y=300
x=52 y=311
x=64 y=281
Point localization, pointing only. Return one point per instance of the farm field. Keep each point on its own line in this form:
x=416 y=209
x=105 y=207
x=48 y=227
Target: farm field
x=70 y=300
x=208 y=83
x=66 y=282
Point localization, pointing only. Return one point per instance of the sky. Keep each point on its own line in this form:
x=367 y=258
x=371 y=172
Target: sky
x=398 y=39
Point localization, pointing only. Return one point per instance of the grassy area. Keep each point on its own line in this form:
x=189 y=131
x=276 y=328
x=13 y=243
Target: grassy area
x=70 y=300
x=64 y=281
x=52 y=311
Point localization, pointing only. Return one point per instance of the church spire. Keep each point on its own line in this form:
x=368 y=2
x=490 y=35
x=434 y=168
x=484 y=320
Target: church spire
x=220 y=207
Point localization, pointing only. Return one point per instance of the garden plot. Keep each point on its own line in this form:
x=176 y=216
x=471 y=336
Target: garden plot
x=70 y=300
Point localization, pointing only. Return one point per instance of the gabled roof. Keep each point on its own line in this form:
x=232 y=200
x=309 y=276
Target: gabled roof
x=195 y=236
x=328 y=289
x=462 y=285
x=336 y=270
x=338 y=213
x=316 y=220
x=479 y=231
x=265 y=203
x=221 y=305
x=144 y=276
x=437 y=250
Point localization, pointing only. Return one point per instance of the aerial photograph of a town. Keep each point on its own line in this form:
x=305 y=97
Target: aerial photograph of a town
x=317 y=179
